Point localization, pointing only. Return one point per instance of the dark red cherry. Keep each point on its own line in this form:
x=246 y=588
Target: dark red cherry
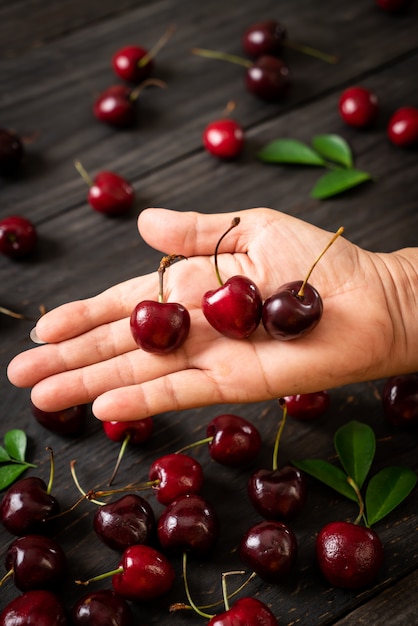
x=269 y=548
x=278 y=494
x=116 y=107
x=11 y=152
x=103 y=608
x=138 y=431
x=108 y=193
x=127 y=521
x=18 y=236
x=189 y=524
x=358 y=107
x=263 y=38
x=27 y=505
x=34 y=608
x=36 y=562
x=175 y=475
x=224 y=138
x=288 y=315
x=400 y=400
x=348 y=555
x=393 y=6
x=66 y=422
x=402 y=128
x=234 y=440
x=268 y=78
x=126 y=64
x=307 y=406
x=245 y=612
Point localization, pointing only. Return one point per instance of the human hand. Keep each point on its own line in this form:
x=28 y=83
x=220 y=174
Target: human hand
x=90 y=355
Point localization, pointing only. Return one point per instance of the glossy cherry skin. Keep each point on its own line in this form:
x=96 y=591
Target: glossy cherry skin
x=268 y=78
x=37 y=562
x=402 y=127
x=103 y=607
x=400 y=400
x=125 y=64
x=348 y=555
x=69 y=421
x=127 y=521
x=224 y=138
x=278 y=494
x=26 y=506
x=11 y=152
x=177 y=475
x=393 y=6
x=235 y=441
x=245 y=612
x=358 y=107
x=189 y=524
x=234 y=309
x=138 y=431
x=263 y=38
x=307 y=406
x=147 y=574
x=286 y=315
x=18 y=236
x=269 y=548
x=116 y=107
x=159 y=327
x=111 y=194
x=34 y=608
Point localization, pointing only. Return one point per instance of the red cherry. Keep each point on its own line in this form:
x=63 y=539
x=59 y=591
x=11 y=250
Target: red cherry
x=307 y=406
x=11 y=152
x=245 y=612
x=126 y=64
x=102 y=607
x=358 y=107
x=278 y=494
x=66 y=422
x=263 y=38
x=349 y=556
x=138 y=431
x=109 y=193
x=224 y=138
x=175 y=475
x=234 y=440
x=268 y=78
x=34 y=608
x=27 y=505
x=402 y=128
x=18 y=236
x=115 y=106
x=400 y=400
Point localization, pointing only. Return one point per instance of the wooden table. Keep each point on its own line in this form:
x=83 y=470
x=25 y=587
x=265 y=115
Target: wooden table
x=54 y=60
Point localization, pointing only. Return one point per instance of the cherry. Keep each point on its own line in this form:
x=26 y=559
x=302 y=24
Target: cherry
x=34 y=608
x=127 y=521
x=18 y=236
x=11 y=152
x=175 y=475
x=103 y=607
x=296 y=308
x=136 y=432
x=36 y=562
x=400 y=400
x=143 y=574
x=307 y=406
x=243 y=612
x=109 y=193
x=160 y=327
x=224 y=138
x=269 y=548
x=234 y=308
x=279 y=493
x=402 y=128
x=234 y=441
x=116 y=105
x=189 y=524
x=66 y=422
x=393 y=6
x=348 y=555
x=358 y=107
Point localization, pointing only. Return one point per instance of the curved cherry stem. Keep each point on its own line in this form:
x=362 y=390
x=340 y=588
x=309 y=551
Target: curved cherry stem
x=157 y=46
x=235 y=222
x=360 y=500
x=9 y=313
x=313 y=52
x=7 y=575
x=195 y=444
x=279 y=434
x=165 y=263
x=339 y=232
x=222 y=56
x=187 y=590
x=83 y=173
x=51 y=470
x=87 y=496
x=120 y=457
x=149 y=82
x=113 y=572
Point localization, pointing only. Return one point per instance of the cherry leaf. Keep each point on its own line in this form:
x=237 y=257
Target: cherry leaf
x=355 y=444
x=333 y=148
x=337 y=181
x=290 y=151
x=327 y=473
x=386 y=490
x=9 y=473
x=15 y=443
x=4 y=455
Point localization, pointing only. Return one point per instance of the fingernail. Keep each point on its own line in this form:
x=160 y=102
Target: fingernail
x=35 y=337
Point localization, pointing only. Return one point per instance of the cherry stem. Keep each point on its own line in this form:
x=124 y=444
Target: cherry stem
x=149 y=82
x=119 y=459
x=165 y=263
x=235 y=222
x=113 y=572
x=224 y=587
x=195 y=444
x=339 y=232
x=279 y=434
x=51 y=470
x=8 y=575
x=77 y=484
x=83 y=173
x=360 y=500
x=10 y=313
x=313 y=52
x=187 y=590
x=157 y=46
x=222 y=56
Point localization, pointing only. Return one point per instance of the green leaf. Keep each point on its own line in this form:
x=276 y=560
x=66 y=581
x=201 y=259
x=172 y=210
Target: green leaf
x=386 y=490
x=327 y=473
x=290 y=151
x=15 y=442
x=4 y=455
x=9 y=473
x=355 y=444
x=337 y=181
x=333 y=148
